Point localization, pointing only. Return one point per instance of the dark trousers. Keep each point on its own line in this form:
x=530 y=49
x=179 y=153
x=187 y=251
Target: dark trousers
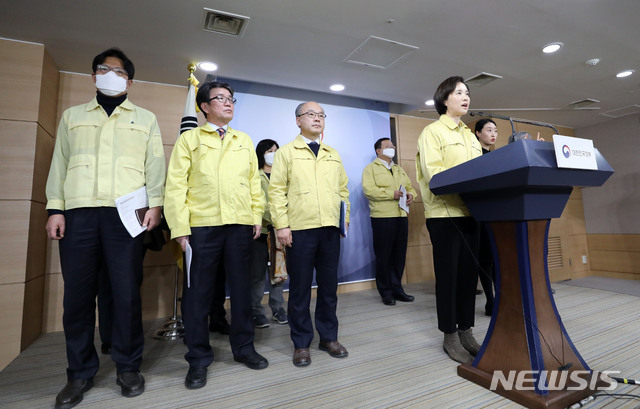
x=94 y=235
x=105 y=306
x=455 y=250
x=217 y=313
x=390 y=247
x=212 y=246
x=319 y=249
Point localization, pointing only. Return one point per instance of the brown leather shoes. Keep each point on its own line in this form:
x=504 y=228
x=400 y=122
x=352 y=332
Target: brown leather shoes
x=334 y=348
x=301 y=357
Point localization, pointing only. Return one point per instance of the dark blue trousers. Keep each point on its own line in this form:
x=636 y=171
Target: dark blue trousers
x=390 y=246
x=319 y=249
x=212 y=246
x=94 y=236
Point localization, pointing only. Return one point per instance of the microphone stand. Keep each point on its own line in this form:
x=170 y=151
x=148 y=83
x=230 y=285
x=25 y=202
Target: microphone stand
x=512 y=120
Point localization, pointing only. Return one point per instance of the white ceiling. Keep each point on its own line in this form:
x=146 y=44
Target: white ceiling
x=302 y=44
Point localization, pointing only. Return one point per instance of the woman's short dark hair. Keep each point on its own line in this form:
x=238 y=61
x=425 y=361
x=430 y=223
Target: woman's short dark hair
x=262 y=147
x=114 y=52
x=481 y=123
x=444 y=90
x=205 y=90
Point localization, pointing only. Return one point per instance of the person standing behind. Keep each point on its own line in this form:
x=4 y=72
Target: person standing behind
x=104 y=149
x=381 y=182
x=487 y=132
x=214 y=203
x=444 y=144
x=265 y=151
x=308 y=183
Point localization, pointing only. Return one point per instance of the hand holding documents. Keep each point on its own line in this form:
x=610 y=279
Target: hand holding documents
x=131 y=209
x=403 y=199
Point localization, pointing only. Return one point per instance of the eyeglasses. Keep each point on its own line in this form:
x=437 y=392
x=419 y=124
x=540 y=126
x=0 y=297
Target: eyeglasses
x=222 y=99
x=313 y=115
x=103 y=69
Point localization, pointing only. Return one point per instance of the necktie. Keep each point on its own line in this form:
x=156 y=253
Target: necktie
x=221 y=131
x=315 y=147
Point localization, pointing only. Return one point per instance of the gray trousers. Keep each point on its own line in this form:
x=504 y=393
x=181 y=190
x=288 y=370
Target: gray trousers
x=258 y=272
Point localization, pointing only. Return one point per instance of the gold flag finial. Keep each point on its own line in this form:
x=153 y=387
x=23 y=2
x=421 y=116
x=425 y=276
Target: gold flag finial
x=191 y=67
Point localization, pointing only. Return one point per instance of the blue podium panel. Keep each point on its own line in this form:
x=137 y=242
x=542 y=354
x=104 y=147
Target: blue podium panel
x=520 y=181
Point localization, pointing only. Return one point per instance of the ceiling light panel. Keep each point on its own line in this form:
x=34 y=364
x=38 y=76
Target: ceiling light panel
x=379 y=52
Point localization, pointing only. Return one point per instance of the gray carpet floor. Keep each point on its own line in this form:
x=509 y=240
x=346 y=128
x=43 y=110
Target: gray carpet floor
x=395 y=361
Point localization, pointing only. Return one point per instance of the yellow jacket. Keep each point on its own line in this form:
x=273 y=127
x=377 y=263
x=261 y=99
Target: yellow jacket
x=98 y=158
x=266 y=217
x=441 y=146
x=305 y=190
x=212 y=182
x=378 y=185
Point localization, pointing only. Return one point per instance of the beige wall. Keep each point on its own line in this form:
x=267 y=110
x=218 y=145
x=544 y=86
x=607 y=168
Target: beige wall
x=29 y=88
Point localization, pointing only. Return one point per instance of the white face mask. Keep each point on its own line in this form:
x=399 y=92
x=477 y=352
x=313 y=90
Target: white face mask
x=111 y=84
x=389 y=152
x=268 y=158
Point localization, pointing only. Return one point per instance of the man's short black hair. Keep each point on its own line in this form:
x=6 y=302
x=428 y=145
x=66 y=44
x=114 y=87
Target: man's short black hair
x=378 y=143
x=204 y=92
x=444 y=90
x=114 y=52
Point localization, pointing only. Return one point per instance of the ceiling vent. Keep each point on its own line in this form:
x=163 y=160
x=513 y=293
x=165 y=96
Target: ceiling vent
x=585 y=104
x=482 y=79
x=225 y=23
x=379 y=53
x=617 y=113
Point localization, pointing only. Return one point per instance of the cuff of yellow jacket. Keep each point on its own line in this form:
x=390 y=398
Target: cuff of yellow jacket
x=156 y=201
x=180 y=231
x=257 y=220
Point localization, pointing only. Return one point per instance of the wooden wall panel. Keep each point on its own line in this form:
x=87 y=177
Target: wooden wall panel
x=17 y=156
x=20 y=79
x=13 y=252
x=43 y=153
x=11 y=304
x=37 y=242
x=419 y=267
x=157 y=292
x=408 y=131
x=418 y=234
x=614 y=255
x=48 y=94
x=409 y=166
x=52 y=303
x=579 y=248
x=32 y=310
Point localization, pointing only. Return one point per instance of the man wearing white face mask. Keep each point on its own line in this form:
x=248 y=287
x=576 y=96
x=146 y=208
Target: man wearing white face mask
x=381 y=181
x=104 y=149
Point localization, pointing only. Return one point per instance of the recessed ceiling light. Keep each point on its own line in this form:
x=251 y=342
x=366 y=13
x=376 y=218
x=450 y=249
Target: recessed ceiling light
x=551 y=48
x=337 y=87
x=430 y=103
x=207 y=66
x=625 y=73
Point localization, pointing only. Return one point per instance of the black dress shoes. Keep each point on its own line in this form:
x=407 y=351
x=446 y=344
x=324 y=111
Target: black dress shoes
x=222 y=327
x=301 y=357
x=253 y=360
x=72 y=392
x=389 y=301
x=131 y=383
x=334 y=348
x=404 y=297
x=196 y=377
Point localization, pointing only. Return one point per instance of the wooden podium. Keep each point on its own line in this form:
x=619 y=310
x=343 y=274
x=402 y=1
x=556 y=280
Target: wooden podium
x=516 y=190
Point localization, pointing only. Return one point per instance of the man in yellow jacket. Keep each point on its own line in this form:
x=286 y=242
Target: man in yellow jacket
x=381 y=183
x=308 y=184
x=104 y=149
x=214 y=204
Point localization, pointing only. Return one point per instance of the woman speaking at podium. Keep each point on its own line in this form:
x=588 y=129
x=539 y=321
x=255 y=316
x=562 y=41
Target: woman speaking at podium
x=444 y=144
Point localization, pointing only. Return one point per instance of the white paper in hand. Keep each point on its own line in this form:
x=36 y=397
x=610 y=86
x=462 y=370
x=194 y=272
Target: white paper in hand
x=188 y=255
x=127 y=206
x=403 y=199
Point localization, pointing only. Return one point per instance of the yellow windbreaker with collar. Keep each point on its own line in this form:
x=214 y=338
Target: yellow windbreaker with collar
x=305 y=191
x=266 y=217
x=212 y=182
x=98 y=158
x=441 y=146
x=378 y=185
